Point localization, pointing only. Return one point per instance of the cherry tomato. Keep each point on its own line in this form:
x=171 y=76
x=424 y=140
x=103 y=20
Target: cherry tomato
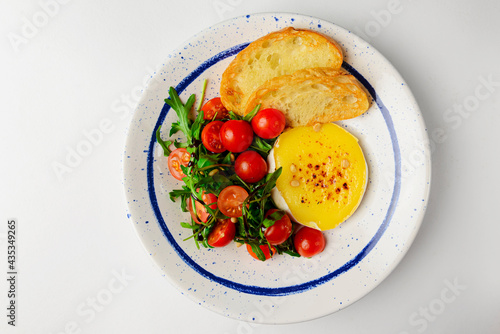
x=209 y=199
x=231 y=200
x=214 y=106
x=202 y=214
x=250 y=166
x=265 y=249
x=236 y=136
x=222 y=234
x=190 y=208
x=279 y=231
x=268 y=123
x=309 y=242
x=177 y=158
x=210 y=136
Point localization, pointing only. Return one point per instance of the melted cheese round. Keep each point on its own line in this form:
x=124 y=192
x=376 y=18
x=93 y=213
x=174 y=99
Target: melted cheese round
x=324 y=175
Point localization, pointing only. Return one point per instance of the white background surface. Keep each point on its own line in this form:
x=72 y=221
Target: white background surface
x=86 y=64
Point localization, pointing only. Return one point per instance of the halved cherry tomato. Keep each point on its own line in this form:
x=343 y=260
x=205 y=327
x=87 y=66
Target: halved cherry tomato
x=222 y=234
x=279 y=231
x=250 y=166
x=309 y=242
x=265 y=250
x=177 y=158
x=231 y=200
x=268 y=123
x=202 y=214
x=214 y=106
x=190 y=208
x=209 y=199
x=210 y=136
x=236 y=135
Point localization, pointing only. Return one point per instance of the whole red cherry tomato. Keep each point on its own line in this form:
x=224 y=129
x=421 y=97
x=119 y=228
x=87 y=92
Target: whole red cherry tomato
x=265 y=250
x=236 y=135
x=309 y=242
x=279 y=232
x=222 y=234
x=212 y=107
x=210 y=136
x=250 y=166
x=177 y=158
x=231 y=200
x=268 y=123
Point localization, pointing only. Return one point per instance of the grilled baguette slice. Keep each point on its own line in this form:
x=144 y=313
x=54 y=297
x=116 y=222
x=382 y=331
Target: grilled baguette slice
x=315 y=95
x=278 y=53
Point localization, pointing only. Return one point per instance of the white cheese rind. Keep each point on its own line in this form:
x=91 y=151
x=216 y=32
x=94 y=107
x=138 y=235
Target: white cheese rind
x=275 y=193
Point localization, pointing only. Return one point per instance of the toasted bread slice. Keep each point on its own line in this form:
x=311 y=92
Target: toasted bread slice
x=279 y=53
x=315 y=95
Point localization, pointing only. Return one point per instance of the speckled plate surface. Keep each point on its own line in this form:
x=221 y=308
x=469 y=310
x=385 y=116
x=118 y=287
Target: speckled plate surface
x=360 y=253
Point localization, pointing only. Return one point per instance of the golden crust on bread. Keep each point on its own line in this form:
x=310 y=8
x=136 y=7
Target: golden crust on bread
x=314 y=95
x=279 y=53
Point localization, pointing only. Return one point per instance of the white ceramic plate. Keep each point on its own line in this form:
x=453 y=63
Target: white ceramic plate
x=360 y=253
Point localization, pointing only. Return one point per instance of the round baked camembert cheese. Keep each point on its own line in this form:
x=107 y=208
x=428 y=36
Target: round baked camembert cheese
x=324 y=174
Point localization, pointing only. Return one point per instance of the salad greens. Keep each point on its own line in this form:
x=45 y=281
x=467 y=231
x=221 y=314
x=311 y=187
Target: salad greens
x=210 y=173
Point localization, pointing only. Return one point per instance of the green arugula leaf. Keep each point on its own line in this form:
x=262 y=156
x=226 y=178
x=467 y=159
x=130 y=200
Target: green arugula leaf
x=182 y=111
x=248 y=117
x=178 y=193
x=195 y=237
x=163 y=144
x=185 y=170
x=271 y=180
x=176 y=127
x=227 y=159
x=202 y=97
x=242 y=182
x=205 y=160
x=205 y=243
x=186 y=225
x=273 y=218
x=183 y=194
x=206 y=231
x=196 y=127
x=234 y=116
x=180 y=144
x=261 y=145
x=219 y=178
x=291 y=253
x=256 y=249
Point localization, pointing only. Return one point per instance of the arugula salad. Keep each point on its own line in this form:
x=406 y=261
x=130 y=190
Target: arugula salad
x=226 y=185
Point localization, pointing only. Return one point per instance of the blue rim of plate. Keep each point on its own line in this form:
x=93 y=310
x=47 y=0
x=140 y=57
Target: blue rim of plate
x=287 y=290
